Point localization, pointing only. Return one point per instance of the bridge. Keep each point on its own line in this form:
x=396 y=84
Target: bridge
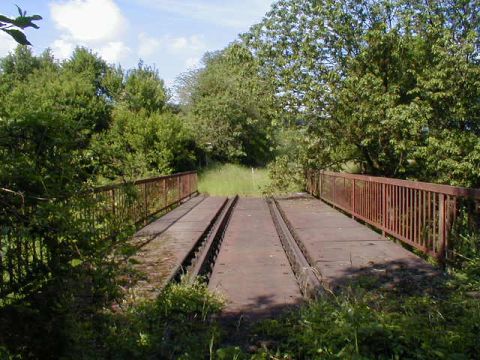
x=268 y=254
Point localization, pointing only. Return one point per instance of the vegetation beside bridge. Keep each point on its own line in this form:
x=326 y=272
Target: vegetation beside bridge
x=386 y=88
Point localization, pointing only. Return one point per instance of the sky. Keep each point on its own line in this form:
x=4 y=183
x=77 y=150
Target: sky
x=172 y=35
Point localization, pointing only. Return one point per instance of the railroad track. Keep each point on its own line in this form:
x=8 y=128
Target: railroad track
x=249 y=254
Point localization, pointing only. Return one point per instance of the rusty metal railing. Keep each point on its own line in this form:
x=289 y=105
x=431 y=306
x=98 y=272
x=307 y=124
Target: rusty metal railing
x=153 y=195
x=96 y=215
x=417 y=213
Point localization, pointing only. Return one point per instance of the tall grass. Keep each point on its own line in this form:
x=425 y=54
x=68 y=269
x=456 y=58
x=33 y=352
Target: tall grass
x=230 y=179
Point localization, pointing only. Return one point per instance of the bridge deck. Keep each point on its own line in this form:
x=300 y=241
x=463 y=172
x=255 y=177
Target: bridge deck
x=252 y=270
x=341 y=248
x=169 y=240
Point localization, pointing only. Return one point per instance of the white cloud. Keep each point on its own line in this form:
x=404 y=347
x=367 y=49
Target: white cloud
x=178 y=43
x=147 y=45
x=234 y=14
x=114 y=51
x=184 y=44
x=7 y=44
x=192 y=62
x=62 y=48
x=187 y=49
x=88 y=20
x=95 y=24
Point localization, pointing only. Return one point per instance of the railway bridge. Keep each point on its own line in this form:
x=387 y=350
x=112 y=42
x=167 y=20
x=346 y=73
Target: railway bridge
x=266 y=254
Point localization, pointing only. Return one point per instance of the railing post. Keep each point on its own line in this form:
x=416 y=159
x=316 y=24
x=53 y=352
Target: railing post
x=165 y=193
x=384 y=208
x=179 y=189
x=353 y=198
x=145 y=203
x=441 y=228
x=320 y=180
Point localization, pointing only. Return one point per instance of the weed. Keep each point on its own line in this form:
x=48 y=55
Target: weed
x=230 y=179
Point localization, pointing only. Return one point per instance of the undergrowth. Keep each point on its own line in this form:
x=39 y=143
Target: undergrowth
x=367 y=322
x=231 y=179
x=178 y=325
x=364 y=321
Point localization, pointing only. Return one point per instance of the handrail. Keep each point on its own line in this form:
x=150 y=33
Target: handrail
x=141 y=181
x=99 y=215
x=419 y=214
x=438 y=188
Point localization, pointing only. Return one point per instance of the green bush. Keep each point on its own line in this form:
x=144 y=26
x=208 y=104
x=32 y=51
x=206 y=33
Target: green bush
x=177 y=325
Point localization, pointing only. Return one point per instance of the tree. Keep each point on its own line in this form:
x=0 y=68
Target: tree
x=11 y=26
x=144 y=89
x=230 y=107
x=378 y=84
x=140 y=144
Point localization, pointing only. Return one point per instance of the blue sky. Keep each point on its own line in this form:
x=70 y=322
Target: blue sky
x=170 y=34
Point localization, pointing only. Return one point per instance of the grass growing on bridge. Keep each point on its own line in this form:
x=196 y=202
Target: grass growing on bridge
x=230 y=179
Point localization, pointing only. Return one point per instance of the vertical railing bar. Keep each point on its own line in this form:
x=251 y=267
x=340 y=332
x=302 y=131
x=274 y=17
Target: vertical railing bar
x=400 y=208
x=362 y=199
x=415 y=216
x=412 y=214
x=419 y=216
x=435 y=232
x=441 y=225
x=421 y=219
x=353 y=198
x=394 y=209
x=145 y=203
x=384 y=208
x=335 y=190
x=429 y=219
x=405 y=212
x=424 y=218
x=378 y=195
x=397 y=207
x=373 y=201
x=165 y=193
x=367 y=199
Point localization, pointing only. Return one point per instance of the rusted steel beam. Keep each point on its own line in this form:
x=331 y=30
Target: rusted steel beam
x=309 y=284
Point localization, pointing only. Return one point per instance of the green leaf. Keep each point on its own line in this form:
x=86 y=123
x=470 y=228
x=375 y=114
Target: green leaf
x=22 y=13
x=18 y=36
x=24 y=22
x=76 y=262
x=5 y=19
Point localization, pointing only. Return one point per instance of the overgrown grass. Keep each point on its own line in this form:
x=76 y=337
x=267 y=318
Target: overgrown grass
x=365 y=321
x=230 y=179
x=176 y=326
x=437 y=320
